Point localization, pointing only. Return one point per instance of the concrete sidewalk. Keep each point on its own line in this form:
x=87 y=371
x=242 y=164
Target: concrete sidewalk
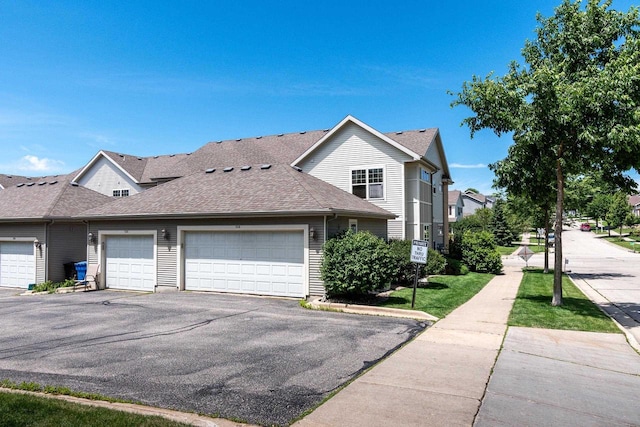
x=437 y=379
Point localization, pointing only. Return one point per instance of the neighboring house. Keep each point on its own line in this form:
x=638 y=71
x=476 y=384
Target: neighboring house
x=634 y=201
x=456 y=206
x=37 y=234
x=474 y=201
x=250 y=215
x=123 y=175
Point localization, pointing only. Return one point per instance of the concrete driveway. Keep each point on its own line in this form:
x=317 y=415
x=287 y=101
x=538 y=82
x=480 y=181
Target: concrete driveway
x=261 y=360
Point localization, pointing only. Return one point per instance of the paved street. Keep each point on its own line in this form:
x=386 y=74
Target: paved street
x=263 y=360
x=610 y=272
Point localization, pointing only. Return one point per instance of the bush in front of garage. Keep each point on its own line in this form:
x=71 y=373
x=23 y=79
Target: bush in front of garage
x=51 y=287
x=400 y=251
x=354 y=264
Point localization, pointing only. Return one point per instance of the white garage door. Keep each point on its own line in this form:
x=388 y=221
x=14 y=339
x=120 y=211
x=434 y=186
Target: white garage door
x=130 y=263
x=252 y=262
x=17 y=264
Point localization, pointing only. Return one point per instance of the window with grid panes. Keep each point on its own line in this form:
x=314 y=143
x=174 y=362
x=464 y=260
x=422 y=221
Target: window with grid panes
x=368 y=183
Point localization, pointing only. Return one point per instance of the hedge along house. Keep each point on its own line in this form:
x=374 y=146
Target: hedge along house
x=242 y=228
x=37 y=232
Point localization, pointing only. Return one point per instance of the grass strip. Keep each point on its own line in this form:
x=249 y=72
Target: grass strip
x=441 y=295
x=532 y=307
x=36 y=411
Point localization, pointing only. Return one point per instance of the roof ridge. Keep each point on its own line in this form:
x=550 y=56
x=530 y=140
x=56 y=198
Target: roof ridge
x=296 y=173
x=66 y=183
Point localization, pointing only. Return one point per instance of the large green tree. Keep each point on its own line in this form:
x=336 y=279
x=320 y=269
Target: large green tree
x=576 y=99
x=619 y=210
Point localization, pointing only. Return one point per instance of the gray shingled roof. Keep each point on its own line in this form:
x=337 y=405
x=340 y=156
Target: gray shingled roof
x=9 y=180
x=453 y=196
x=276 y=149
x=46 y=198
x=278 y=190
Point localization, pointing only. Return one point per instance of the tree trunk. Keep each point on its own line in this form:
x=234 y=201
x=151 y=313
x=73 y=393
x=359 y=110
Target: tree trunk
x=557 y=265
x=546 y=239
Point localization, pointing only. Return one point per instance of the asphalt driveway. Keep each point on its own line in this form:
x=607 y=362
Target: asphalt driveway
x=261 y=360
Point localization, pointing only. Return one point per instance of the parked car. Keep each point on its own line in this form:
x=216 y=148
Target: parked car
x=585 y=226
x=552 y=239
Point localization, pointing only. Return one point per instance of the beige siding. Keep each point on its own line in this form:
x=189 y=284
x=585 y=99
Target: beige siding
x=353 y=147
x=104 y=177
x=67 y=243
x=31 y=231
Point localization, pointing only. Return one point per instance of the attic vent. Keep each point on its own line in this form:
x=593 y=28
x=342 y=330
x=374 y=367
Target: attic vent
x=326 y=130
x=303 y=132
x=297 y=168
x=172 y=155
x=211 y=170
x=53 y=182
x=31 y=184
x=188 y=154
x=245 y=168
x=9 y=176
x=265 y=167
x=139 y=158
x=399 y=133
x=20 y=185
x=258 y=137
x=280 y=134
x=239 y=139
x=121 y=155
x=422 y=130
x=29 y=179
x=74 y=184
x=42 y=182
x=229 y=169
x=155 y=157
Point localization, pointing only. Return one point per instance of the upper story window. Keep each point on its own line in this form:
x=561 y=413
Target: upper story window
x=368 y=183
x=121 y=193
x=425 y=176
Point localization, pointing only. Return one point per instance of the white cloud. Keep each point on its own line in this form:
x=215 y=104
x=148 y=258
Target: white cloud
x=31 y=163
x=462 y=166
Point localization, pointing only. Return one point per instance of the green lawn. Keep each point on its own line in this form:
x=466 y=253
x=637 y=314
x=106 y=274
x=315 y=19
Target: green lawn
x=622 y=243
x=508 y=250
x=35 y=411
x=442 y=295
x=532 y=307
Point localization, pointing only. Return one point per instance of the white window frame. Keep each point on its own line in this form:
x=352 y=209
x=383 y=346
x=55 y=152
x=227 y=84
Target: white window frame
x=367 y=168
x=120 y=192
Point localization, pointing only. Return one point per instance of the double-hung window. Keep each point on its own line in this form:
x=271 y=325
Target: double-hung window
x=368 y=183
x=121 y=193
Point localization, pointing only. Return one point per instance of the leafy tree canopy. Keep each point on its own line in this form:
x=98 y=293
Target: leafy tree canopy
x=576 y=101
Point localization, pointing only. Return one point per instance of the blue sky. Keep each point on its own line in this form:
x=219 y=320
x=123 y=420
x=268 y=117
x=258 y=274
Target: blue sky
x=156 y=77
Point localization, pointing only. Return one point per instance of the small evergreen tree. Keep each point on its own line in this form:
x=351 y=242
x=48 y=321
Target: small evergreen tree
x=499 y=226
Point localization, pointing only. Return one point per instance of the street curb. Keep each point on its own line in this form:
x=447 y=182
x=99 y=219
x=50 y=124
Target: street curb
x=615 y=314
x=317 y=304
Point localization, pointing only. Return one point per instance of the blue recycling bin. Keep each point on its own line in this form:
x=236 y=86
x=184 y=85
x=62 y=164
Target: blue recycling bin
x=81 y=270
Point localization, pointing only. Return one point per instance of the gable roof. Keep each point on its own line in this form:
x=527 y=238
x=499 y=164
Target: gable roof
x=139 y=169
x=475 y=196
x=47 y=198
x=291 y=148
x=412 y=147
x=273 y=191
x=454 y=195
x=634 y=200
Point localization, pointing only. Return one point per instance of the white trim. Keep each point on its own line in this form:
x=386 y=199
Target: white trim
x=35 y=250
x=95 y=160
x=353 y=222
x=353 y=120
x=103 y=235
x=180 y=283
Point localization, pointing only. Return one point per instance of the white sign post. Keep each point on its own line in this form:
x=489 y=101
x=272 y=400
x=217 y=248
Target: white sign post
x=419 y=250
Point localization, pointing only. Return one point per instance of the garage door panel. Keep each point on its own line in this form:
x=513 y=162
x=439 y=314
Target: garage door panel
x=263 y=262
x=130 y=262
x=17 y=264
